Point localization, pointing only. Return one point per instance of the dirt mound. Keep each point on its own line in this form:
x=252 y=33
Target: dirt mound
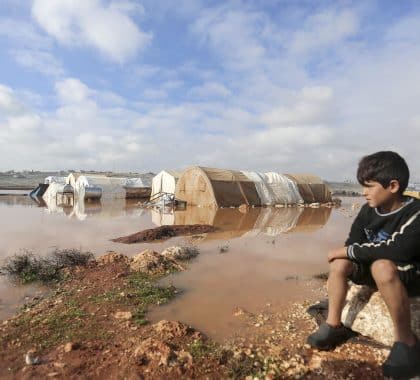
x=164 y=232
x=152 y=262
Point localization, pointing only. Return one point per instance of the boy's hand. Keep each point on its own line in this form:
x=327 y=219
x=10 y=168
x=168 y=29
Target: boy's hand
x=339 y=253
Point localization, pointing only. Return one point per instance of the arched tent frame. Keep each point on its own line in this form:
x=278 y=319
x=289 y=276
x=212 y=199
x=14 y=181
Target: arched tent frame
x=312 y=188
x=210 y=187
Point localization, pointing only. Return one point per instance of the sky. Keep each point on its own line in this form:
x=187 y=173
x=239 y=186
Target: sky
x=266 y=85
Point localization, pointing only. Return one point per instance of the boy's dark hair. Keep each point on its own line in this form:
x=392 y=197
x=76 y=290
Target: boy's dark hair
x=383 y=167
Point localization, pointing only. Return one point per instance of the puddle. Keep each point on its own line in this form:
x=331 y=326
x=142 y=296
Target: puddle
x=260 y=257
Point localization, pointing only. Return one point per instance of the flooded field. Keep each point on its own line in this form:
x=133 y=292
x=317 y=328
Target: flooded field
x=260 y=259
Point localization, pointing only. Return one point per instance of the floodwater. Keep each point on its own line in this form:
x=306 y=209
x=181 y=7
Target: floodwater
x=264 y=256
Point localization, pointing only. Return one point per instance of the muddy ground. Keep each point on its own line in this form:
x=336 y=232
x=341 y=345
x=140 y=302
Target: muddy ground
x=165 y=232
x=93 y=325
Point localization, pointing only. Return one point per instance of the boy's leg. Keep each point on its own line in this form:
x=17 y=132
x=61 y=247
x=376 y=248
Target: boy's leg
x=404 y=358
x=394 y=293
x=340 y=270
x=332 y=333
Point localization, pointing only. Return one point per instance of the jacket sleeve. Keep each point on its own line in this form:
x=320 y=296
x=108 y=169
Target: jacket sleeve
x=402 y=246
x=357 y=234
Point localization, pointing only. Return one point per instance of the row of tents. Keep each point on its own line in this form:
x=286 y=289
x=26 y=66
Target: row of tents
x=196 y=186
x=210 y=187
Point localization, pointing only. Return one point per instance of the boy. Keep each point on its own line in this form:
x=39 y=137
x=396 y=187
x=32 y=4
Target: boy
x=382 y=250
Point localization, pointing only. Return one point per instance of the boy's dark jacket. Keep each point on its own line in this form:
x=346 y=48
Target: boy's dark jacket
x=394 y=236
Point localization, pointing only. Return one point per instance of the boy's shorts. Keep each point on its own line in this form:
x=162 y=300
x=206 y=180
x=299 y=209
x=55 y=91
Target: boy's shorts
x=362 y=275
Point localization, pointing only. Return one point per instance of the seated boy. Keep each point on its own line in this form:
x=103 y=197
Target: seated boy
x=383 y=251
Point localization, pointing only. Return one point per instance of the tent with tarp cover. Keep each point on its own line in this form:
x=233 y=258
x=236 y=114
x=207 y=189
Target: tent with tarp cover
x=312 y=188
x=210 y=187
x=274 y=188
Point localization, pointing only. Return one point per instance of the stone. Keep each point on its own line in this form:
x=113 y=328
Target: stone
x=70 y=346
x=31 y=359
x=126 y=315
x=171 y=329
x=112 y=257
x=367 y=313
x=180 y=253
x=148 y=261
x=154 y=350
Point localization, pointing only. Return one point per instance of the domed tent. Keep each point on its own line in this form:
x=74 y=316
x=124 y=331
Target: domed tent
x=274 y=188
x=311 y=188
x=98 y=186
x=209 y=187
x=164 y=182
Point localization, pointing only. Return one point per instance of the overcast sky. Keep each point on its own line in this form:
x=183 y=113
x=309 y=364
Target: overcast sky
x=267 y=85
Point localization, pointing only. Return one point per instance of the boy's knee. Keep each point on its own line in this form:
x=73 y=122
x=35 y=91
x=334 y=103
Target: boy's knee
x=384 y=271
x=341 y=267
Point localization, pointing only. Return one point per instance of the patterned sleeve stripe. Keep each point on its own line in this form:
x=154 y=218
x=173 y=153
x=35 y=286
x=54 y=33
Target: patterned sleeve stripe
x=405 y=268
x=393 y=236
x=350 y=253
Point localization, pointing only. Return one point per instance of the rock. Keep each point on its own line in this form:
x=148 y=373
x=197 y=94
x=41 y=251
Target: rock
x=185 y=358
x=70 y=346
x=244 y=208
x=31 y=359
x=171 y=329
x=366 y=313
x=314 y=205
x=53 y=374
x=123 y=315
x=112 y=257
x=154 y=350
x=180 y=253
x=148 y=261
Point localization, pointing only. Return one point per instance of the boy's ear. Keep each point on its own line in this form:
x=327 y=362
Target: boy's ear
x=394 y=186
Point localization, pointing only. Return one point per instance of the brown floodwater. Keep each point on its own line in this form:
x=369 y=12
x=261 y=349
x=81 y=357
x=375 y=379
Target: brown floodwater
x=264 y=256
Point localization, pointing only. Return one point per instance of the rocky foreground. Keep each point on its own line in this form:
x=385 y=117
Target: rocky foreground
x=93 y=325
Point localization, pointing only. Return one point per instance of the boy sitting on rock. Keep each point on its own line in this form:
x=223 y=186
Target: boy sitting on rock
x=382 y=250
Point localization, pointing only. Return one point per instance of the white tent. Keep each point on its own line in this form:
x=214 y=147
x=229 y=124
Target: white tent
x=72 y=178
x=165 y=182
x=274 y=188
x=51 y=179
x=100 y=187
x=50 y=197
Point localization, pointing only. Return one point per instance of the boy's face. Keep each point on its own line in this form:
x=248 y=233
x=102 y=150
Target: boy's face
x=376 y=195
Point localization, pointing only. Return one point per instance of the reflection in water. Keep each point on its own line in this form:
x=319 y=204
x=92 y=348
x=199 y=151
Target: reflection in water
x=97 y=209
x=232 y=223
x=263 y=250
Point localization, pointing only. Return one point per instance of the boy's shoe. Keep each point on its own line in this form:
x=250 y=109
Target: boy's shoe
x=328 y=337
x=403 y=361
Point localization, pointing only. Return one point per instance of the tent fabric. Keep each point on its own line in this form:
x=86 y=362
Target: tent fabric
x=134 y=182
x=274 y=188
x=51 y=179
x=311 y=188
x=72 y=178
x=210 y=187
x=165 y=182
x=50 y=197
x=112 y=187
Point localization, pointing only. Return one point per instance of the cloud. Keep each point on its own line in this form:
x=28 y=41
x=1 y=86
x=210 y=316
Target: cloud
x=41 y=61
x=109 y=29
x=9 y=105
x=324 y=29
x=312 y=107
x=72 y=90
x=210 y=89
x=233 y=33
x=23 y=33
